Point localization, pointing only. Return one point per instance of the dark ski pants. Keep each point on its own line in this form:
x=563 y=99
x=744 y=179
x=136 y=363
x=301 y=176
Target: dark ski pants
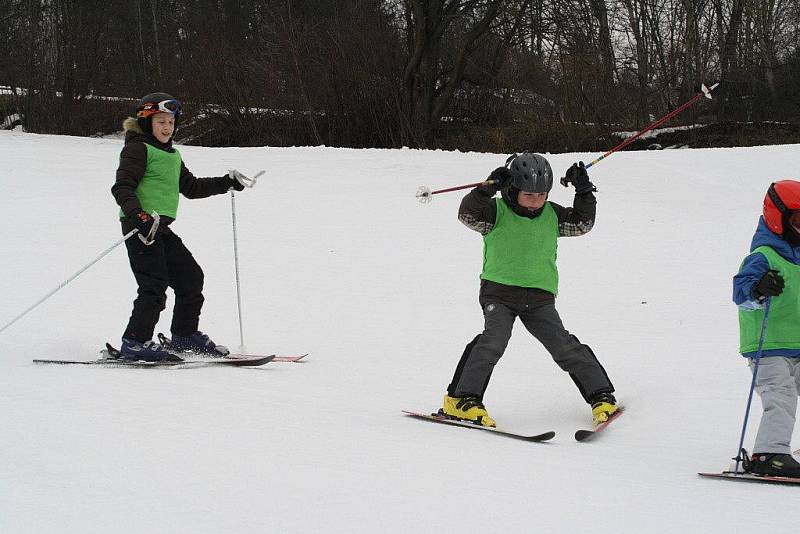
x=542 y=321
x=165 y=263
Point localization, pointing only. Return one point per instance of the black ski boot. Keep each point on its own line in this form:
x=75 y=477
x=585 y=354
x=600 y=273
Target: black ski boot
x=774 y=465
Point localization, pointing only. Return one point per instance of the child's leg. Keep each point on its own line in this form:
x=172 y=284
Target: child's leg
x=777 y=388
x=150 y=270
x=481 y=355
x=569 y=353
x=186 y=280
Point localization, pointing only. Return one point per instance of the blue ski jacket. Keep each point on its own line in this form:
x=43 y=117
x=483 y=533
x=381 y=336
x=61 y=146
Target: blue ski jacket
x=753 y=268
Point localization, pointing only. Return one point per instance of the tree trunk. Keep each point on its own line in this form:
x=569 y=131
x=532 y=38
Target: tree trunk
x=728 y=57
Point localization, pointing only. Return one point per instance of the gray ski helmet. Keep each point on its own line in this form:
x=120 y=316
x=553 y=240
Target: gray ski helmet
x=153 y=103
x=531 y=173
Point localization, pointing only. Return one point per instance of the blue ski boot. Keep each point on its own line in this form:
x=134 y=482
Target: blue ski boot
x=134 y=351
x=198 y=343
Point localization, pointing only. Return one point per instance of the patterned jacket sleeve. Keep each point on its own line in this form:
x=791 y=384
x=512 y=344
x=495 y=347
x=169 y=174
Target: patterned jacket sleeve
x=192 y=187
x=578 y=219
x=478 y=210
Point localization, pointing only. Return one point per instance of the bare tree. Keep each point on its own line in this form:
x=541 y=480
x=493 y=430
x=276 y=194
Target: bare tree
x=431 y=75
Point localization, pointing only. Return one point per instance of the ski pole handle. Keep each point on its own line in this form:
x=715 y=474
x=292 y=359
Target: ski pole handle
x=150 y=238
x=246 y=181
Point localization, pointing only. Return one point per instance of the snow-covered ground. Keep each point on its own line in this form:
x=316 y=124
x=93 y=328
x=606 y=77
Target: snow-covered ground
x=338 y=259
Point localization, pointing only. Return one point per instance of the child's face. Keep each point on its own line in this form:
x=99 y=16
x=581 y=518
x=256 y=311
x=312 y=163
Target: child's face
x=794 y=220
x=532 y=201
x=163 y=126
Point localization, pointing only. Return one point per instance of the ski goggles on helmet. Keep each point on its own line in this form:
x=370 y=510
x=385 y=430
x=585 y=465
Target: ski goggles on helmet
x=165 y=106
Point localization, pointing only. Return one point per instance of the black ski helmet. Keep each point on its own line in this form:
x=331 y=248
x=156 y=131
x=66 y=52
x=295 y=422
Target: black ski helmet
x=153 y=103
x=531 y=173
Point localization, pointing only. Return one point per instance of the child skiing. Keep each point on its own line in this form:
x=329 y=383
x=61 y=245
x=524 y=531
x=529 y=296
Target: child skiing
x=772 y=271
x=150 y=177
x=520 y=279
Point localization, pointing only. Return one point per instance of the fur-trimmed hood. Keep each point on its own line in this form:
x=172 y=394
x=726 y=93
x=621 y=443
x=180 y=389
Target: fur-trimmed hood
x=131 y=125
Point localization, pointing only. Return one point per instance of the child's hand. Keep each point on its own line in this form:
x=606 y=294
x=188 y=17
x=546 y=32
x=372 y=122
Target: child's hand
x=770 y=285
x=501 y=177
x=234 y=182
x=578 y=177
x=146 y=225
x=240 y=181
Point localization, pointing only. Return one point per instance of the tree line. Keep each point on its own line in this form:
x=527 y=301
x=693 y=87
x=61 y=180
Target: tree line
x=471 y=74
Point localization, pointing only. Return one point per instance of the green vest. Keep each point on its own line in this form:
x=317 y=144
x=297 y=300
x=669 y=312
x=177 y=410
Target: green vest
x=784 y=313
x=158 y=189
x=520 y=251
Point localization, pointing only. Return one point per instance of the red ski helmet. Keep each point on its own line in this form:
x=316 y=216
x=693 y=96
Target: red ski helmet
x=781 y=200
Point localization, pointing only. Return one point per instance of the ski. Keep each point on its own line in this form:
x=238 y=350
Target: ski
x=278 y=358
x=110 y=362
x=216 y=362
x=437 y=418
x=586 y=435
x=285 y=358
x=749 y=477
x=110 y=357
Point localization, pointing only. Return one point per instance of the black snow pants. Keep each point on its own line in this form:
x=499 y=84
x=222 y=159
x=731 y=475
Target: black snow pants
x=536 y=309
x=165 y=263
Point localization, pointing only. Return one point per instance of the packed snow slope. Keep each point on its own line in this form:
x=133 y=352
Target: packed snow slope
x=337 y=258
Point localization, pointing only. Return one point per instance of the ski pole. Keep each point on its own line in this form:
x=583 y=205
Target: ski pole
x=74 y=276
x=424 y=193
x=236 y=268
x=704 y=92
x=247 y=182
x=756 y=361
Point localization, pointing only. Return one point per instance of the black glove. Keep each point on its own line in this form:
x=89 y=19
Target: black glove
x=770 y=285
x=234 y=183
x=501 y=177
x=579 y=178
x=238 y=180
x=144 y=222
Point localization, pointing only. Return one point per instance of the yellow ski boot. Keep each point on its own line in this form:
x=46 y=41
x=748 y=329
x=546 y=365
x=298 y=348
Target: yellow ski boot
x=467 y=409
x=604 y=405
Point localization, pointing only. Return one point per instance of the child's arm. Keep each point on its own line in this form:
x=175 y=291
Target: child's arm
x=578 y=219
x=478 y=210
x=132 y=163
x=192 y=187
x=753 y=269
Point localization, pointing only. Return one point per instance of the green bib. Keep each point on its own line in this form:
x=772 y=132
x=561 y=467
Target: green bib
x=784 y=314
x=520 y=251
x=158 y=189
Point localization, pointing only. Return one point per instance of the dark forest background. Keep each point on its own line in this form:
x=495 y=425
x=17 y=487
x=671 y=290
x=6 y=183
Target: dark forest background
x=489 y=75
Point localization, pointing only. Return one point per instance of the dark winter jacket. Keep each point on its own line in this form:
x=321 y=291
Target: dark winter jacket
x=753 y=268
x=132 y=164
